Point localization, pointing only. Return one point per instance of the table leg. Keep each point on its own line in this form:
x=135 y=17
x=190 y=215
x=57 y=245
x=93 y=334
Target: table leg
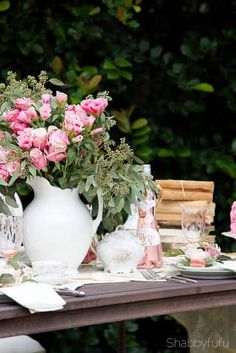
x=122 y=337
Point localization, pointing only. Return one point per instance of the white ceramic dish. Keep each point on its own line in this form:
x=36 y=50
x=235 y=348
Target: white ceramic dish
x=212 y=272
x=229 y=234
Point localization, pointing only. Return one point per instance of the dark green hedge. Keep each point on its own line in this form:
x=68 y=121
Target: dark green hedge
x=169 y=65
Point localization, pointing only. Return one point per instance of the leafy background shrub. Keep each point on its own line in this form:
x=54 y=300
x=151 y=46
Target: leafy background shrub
x=170 y=67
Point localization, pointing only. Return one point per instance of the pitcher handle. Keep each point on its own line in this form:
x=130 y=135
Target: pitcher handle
x=98 y=219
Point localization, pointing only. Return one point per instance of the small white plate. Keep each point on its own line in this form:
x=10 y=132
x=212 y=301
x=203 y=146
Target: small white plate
x=229 y=234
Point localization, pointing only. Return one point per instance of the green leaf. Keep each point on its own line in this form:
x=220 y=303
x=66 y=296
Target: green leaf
x=112 y=75
x=95 y=11
x=4 y=208
x=204 y=87
x=165 y=152
x=56 y=82
x=4 y=5
x=32 y=170
x=139 y=123
x=11 y=201
x=126 y=74
x=123 y=63
x=14 y=261
x=7 y=278
x=3 y=182
x=109 y=65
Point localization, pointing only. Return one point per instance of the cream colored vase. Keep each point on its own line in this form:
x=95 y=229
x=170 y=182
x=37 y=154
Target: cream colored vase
x=57 y=225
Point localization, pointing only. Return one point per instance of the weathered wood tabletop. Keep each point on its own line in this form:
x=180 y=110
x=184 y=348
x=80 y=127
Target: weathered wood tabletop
x=111 y=302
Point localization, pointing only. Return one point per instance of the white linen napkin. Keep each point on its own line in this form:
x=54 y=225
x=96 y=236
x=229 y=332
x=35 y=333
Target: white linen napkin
x=229 y=265
x=37 y=297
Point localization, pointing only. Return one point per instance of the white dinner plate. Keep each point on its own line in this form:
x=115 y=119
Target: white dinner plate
x=212 y=272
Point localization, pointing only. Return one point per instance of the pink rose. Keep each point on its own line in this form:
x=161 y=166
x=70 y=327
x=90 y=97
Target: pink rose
x=94 y=106
x=54 y=156
x=88 y=120
x=23 y=103
x=58 y=141
x=85 y=105
x=38 y=159
x=17 y=127
x=23 y=117
x=73 y=122
x=2 y=134
x=61 y=98
x=46 y=98
x=11 y=115
x=78 y=138
x=51 y=129
x=40 y=138
x=4 y=174
x=12 y=167
x=25 y=138
x=45 y=111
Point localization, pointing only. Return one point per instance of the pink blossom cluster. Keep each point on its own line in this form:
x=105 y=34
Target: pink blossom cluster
x=30 y=123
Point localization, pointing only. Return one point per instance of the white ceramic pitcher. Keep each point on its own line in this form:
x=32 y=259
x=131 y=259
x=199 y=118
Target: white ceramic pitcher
x=57 y=225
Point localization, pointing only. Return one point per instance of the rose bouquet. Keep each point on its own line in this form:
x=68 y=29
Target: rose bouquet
x=68 y=144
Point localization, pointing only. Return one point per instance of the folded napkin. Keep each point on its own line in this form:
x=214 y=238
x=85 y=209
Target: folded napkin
x=229 y=265
x=37 y=297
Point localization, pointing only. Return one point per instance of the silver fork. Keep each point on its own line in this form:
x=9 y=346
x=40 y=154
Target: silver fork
x=172 y=278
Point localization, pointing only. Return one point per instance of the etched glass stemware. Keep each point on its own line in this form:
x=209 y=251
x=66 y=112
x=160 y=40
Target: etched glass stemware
x=11 y=235
x=193 y=224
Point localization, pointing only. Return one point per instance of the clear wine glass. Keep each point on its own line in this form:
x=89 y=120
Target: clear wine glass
x=193 y=224
x=11 y=235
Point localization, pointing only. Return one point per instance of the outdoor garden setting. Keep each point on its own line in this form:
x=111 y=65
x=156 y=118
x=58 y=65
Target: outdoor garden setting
x=107 y=86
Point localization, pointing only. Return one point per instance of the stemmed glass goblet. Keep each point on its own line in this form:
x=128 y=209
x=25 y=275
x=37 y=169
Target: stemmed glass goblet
x=11 y=235
x=193 y=224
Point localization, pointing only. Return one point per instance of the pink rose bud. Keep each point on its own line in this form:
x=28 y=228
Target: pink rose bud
x=2 y=134
x=46 y=98
x=55 y=156
x=31 y=113
x=23 y=103
x=99 y=130
x=61 y=98
x=45 y=111
x=25 y=138
x=38 y=159
x=78 y=138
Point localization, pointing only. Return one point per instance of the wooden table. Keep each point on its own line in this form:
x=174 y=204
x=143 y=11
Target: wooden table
x=119 y=301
